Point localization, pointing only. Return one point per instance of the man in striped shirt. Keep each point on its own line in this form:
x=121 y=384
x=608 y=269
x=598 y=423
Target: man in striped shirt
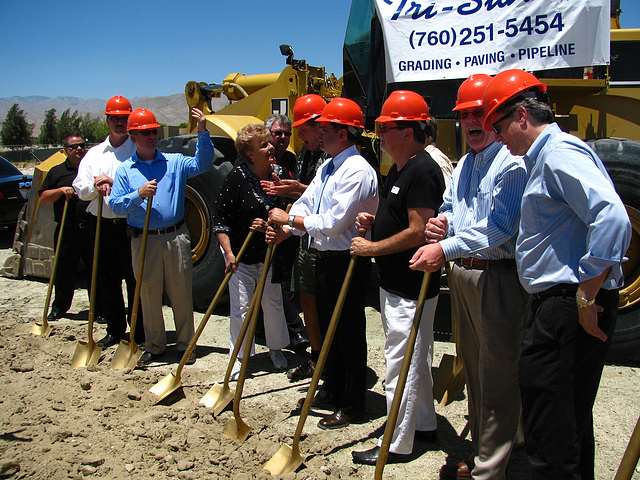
x=477 y=229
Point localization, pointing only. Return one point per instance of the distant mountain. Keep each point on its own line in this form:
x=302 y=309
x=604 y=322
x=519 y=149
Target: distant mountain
x=169 y=110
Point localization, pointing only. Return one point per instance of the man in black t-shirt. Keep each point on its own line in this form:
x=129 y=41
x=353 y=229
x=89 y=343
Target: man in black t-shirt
x=76 y=240
x=412 y=194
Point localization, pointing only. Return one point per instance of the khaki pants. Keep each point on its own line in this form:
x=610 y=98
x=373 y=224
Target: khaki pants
x=167 y=265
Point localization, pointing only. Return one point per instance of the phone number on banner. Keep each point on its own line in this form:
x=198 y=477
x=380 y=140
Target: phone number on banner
x=538 y=25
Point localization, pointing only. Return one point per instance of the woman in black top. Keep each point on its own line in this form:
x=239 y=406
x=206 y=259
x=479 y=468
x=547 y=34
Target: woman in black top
x=242 y=206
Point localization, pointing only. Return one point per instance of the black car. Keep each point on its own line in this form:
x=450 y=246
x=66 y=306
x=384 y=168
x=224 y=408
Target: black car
x=14 y=192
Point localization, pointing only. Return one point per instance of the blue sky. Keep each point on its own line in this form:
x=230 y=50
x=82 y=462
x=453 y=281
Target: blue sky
x=135 y=48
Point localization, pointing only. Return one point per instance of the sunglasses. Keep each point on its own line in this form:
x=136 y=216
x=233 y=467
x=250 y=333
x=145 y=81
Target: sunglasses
x=495 y=124
x=118 y=118
x=81 y=146
x=468 y=113
x=385 y=128
x=279 y=133
x=146 y=133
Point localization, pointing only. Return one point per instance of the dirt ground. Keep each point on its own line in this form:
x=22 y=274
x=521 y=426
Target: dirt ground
x=59 y=423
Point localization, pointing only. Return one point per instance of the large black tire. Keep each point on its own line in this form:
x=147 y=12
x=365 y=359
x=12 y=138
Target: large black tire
x=622 y=160
x=201 y=195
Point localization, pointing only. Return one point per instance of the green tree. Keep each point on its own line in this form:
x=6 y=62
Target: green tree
x=15 y=128
x=100 y=132
x=68 y=123
x=88 y=126
x=49 y=129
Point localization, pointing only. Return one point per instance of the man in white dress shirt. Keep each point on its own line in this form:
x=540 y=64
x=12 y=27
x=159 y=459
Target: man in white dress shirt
x=344 y=186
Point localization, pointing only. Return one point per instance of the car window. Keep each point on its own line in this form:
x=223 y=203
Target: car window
x=7 y=169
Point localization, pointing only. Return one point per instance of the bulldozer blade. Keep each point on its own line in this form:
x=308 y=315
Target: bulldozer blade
x=43 y=330
x=284 y=461
x=237 y=429
x=87 y=353
x=165 y=387
x=448 y=382
x=126 y=356
x=217 y=397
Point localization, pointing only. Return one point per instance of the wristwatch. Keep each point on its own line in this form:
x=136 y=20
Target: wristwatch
x=583 y=302
x=291 y=219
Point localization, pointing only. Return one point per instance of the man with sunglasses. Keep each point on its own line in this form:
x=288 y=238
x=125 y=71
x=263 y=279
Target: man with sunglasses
x=93 y=183
x=76 y=242
x=155 y=180
x=477 y=229
x=574 y=232
x=344 y=186
x=280 y=128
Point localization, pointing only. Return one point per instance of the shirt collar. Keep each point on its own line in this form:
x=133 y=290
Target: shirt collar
x=343 y=155
x=486 y=155
x=159 y=156
x=534 y=150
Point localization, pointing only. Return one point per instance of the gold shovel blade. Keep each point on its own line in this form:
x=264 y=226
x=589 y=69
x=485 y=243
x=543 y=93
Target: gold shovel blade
x=236 y=429
x=448 y=381
x=217 y=397
x=284 y=461
x=166 y=386
x=86 y=354
x=126 y=356
x=43 y=330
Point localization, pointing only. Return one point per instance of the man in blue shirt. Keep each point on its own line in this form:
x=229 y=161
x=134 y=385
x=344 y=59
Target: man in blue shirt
x=162 y=178
x=477 y=229
x=574 y=232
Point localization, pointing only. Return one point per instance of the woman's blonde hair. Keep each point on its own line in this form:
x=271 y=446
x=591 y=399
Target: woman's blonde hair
x=248 y=133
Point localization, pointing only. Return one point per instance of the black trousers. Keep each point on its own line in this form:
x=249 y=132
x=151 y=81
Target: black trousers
x=560 y=370
x=76 y=244
x=346 y=367
x=114 y=264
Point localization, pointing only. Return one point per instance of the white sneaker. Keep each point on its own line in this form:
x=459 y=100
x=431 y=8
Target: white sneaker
x=235 y=371
x=278 y=359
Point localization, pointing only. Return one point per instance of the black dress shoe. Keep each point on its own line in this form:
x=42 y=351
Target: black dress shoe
x=338 y=419
x=460 y=470
x=54 y=315
x=427 y=436
x=191 y=359
x=147 y=358
x=299 y=343
x=370 y=457
x=108 y=341
x=100 y=319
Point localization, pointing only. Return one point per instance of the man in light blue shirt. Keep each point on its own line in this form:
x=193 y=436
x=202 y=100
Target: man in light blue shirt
x=477 y=229
x=574 y=232
x=151 y=176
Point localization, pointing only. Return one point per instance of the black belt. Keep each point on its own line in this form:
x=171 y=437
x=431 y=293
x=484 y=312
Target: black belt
x=478 y=264
x=331 y=253
x=564 y=290
x=162 y=231
x=115 y=221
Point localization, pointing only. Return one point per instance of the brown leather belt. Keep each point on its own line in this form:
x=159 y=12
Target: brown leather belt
x=478 y=264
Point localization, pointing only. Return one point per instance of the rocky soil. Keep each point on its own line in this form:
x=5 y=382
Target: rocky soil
x=94 y=422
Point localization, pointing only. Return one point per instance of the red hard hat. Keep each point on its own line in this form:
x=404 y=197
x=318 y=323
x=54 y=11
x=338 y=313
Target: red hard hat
x=307 y=108
x=404 y=105
x=503 y=87
x=343 y=111
x=142 y=119
x=118 y=105
x=471 y=90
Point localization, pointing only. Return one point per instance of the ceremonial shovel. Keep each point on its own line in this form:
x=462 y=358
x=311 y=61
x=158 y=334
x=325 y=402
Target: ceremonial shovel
x=171 y=383
x=288 y=459
x=128 y=353
x=88 y=353
x=44 y=330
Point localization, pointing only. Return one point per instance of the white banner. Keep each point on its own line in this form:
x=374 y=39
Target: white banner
x=438 y=39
